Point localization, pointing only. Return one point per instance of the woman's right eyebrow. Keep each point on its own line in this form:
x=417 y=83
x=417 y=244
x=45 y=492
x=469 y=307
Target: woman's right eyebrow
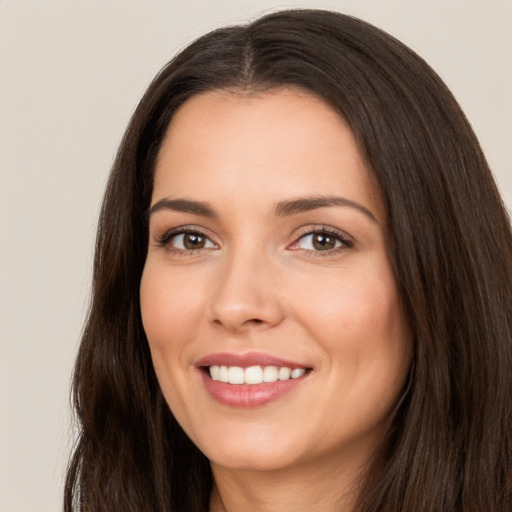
x=182 y=205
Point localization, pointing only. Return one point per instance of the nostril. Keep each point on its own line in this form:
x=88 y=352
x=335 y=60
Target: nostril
x=250 y=321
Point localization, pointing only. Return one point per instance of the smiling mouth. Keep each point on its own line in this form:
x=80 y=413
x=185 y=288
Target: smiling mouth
x=250 y=380
x=253 y=375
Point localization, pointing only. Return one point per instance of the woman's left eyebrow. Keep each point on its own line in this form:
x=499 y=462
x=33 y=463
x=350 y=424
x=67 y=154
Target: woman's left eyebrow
x=305 y=204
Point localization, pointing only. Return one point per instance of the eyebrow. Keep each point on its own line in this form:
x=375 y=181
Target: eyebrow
x=305 y=204
x=183 y=205
x=282 y=209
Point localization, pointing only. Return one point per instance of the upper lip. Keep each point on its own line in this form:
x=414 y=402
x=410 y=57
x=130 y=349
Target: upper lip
x=246 y=360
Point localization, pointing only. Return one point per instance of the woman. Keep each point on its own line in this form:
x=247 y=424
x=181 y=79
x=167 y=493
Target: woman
x=302 y=288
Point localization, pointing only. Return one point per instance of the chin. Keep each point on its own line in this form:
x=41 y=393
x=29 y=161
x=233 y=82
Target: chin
x=249 y=452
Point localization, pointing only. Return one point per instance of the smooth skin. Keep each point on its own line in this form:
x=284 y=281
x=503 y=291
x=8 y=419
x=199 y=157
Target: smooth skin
x=312 y=283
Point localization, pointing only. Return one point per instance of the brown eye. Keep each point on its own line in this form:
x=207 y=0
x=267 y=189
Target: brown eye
x=194 y=241
x=319 y=242
x=323 y=242
x=189 y=241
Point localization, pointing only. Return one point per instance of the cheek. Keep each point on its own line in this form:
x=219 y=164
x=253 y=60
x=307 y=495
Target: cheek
x=362 y=331
x=170 y=307
x=353 y=302
x=357 y=319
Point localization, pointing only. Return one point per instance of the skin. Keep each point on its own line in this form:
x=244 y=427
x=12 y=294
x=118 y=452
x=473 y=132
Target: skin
x=258 y=284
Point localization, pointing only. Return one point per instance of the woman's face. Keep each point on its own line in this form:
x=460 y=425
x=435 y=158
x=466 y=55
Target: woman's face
x=267 y=268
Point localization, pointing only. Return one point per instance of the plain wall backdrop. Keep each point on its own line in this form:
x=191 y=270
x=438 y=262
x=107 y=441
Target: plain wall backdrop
x=71 y=74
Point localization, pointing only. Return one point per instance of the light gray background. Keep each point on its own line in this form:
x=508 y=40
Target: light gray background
x=71 y=74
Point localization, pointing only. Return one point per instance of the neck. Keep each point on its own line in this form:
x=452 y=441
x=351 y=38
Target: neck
x=297 y=489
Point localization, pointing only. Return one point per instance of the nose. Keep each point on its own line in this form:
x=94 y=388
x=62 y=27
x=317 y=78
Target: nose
x=246 y=294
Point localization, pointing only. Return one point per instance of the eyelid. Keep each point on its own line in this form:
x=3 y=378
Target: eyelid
x=346 y=240
x=163 y=239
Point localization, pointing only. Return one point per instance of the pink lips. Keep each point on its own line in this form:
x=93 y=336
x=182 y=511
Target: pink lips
x=247 y=395
x=246 y=360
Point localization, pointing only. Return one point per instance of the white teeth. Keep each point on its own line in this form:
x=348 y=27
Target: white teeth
x=284 y=373
x=236 y=375
x=223 y=374
x=254 y=374
x=270 y=373
x=214 y=372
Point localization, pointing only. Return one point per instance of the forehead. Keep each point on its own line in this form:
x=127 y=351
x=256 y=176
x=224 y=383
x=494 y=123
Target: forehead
x=282 y=142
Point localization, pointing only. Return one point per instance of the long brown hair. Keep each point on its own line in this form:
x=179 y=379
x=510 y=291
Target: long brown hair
x=449 y=444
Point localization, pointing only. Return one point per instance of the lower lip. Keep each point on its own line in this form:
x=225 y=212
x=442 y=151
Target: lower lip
x=249 y=395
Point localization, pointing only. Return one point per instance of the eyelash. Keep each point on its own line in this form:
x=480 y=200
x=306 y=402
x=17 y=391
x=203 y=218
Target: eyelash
x=163 y=241
x=345 y=241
